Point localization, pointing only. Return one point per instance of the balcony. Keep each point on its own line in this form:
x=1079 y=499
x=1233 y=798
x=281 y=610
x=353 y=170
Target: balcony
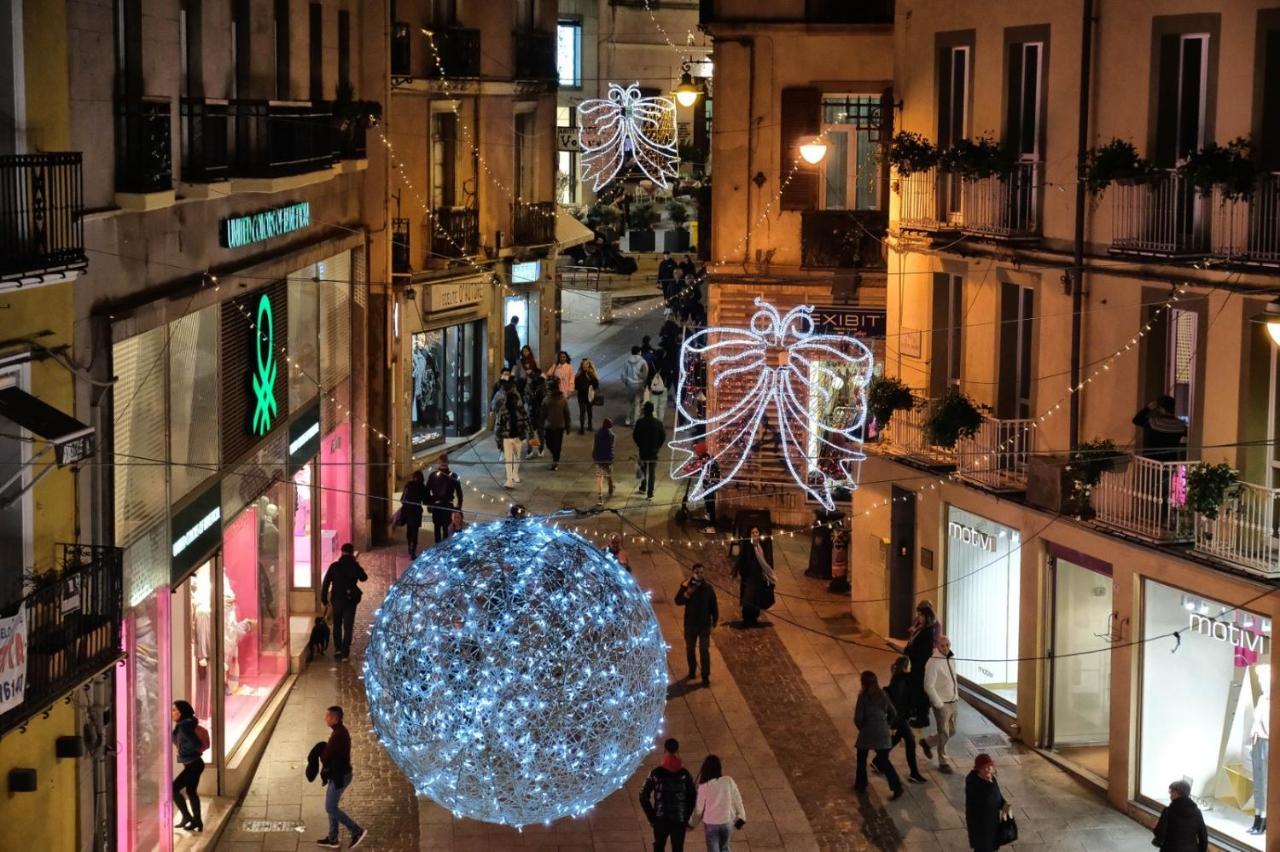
x=73 y=627
x=1162 y=216
x=1146 y=500
x=205 y=141
x=996 y=456
x=534 y=223
x=1248 y=231
x=536 y=56
x=905 y=437
x=144 y=157
x=457 y=52
x=41 y=200
x=919 y=206
x=353 y=141
x=401 y=55
x=281 y=138
x=1244 y=534
x=454 y=232
x=1004 y=206
x=842 y=239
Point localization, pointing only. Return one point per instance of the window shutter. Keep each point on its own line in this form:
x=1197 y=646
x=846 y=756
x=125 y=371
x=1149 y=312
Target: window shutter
x=801 y=120
x=1165 y=151
x=1013 y=96
x=1269 y=144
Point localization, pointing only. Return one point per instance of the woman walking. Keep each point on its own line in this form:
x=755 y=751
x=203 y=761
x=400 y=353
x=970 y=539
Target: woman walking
x=412 y=499
x=555 y=420
x=754 y=570
x=512 y=431
x=874 y=717
x=562 y=373
x=719 y=805
x=899 y=691
x=602 y=455
x=984 y=805
x=587 y=385
x=527 y=363
x=921 y=641
x=191 y=740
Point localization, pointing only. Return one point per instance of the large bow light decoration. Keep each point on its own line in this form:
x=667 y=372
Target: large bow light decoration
x=777 y=364
x=627 y=124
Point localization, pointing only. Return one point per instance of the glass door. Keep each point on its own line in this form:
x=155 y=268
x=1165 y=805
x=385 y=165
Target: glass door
x=193 y=661
x=1080 y=665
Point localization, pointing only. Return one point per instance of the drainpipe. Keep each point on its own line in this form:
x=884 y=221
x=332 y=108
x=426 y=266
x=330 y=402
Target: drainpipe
x=1077 y=267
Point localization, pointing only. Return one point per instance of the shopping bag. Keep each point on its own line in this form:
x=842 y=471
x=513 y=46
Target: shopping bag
x=1007 y=832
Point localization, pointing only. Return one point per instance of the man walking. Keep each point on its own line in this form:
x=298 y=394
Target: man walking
x=511 y=343
x=341 y=587
x=649 y=435
x=635 y=374
x=443 y=488
x=1181 y=825
x=667 y=798
x=943 y=692
x=336 y=760
x=701 y=612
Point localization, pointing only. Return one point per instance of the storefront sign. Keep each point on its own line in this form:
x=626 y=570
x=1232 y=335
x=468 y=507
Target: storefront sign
x=567 y=139
x=529 y=272
x=239 y=231
x=265 y=407
x=456 y=294
x=13 y=659
x=847 y=319
x=971 y=536
x=1225 y=631
x=196 y=530
x=304 y=438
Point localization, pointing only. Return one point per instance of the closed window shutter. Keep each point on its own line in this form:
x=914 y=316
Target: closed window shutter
x=1166 y=147
x=335 y=320
x=141 y=497
x=1013 y=97
x=1269 y=146
x=801 y=121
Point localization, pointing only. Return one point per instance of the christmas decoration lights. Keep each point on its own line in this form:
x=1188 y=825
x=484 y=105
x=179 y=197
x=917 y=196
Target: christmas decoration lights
x=516 y=674
x=777 y=364
x=627 y=123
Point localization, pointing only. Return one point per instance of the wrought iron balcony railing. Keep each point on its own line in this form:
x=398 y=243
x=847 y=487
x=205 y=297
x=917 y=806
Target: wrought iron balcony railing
x=534 y=224
x=455 y=232
x=842 y=239
x=205 y=141
x=1004 y=205
x=1248 y=231
x=535 y=56
x=41 y=200
x=144 y=155
x=458 y=51
x=1162 y=216
x=281 y=138
x=1146 y=499
x=996 y=455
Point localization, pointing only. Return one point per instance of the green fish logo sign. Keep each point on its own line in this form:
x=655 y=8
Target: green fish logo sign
x=264 y=381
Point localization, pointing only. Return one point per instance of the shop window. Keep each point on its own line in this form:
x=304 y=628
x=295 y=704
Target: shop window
x=1082 y=626
x=569 y=53
x=193 y=379
x=984 y=580
x=194 y=662
x=304 y=347
x=144 y=812
x=851 y=171
x=1200 y=704
x=524 y=308
x=335 y=480
x=445 y=375
x=302 y=515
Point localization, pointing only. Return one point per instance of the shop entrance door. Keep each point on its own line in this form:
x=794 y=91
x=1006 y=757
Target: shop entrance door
x=195 y=672
x=902 y=562
x=1080 y=664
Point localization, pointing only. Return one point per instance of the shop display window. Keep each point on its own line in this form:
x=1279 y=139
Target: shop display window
x=335 y=494
x=193 y=378
x=984 y=581
x=303 y=345
x=197 y=661
x=144 y=801
x=1080 y=721
x=255 y=638
x=1205 y=707
x=445 y=379
x=302 y=515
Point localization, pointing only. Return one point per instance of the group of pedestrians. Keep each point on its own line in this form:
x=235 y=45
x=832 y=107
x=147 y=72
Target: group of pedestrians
x=674 y=803
x=681 y=285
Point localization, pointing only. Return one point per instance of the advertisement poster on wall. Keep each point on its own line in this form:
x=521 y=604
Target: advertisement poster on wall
x=13 y=659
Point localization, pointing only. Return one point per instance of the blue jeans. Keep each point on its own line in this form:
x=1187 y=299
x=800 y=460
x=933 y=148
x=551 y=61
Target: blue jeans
x=332 y=793
x=717 y=837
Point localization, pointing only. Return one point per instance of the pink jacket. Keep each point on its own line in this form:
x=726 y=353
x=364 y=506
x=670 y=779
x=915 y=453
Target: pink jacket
x=563 y=373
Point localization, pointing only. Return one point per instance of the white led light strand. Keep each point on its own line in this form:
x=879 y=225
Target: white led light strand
x=627 y=125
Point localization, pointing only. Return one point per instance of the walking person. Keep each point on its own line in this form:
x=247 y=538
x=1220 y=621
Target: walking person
x=658 y=388
x=555 y=420
x=602 y=455
x=511 y=342
x=921 y=640
x=984 y=805
x=1181 y=825
x=587 y=386
x=943 y=691
x=650 y=436
x=412 y=499
x=457 y=523
x=512 y=431
x=336 y=760
x=667 y=799
x=341 y=588
x=635 y=374
x=719 y=805
x=701 y=612
x=191 y=741
x=875 y=717
x=444 y=495
x=528 y=363
x=898 y=691
x=561 y=373
x=754 y=570
x=535 y=393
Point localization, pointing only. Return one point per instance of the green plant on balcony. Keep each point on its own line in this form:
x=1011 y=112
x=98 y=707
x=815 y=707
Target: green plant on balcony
x=1115 y=161
x=885 y=395
x=911 y=152
x=1085 y=467
x=1228 y=167
x=979 y=158
x=951 y=418
x=1210 y=486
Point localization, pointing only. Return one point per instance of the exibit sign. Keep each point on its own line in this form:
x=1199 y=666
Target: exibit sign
x=240 y=231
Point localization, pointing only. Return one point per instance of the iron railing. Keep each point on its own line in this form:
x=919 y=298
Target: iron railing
x=996 y=455
x=535 y=56
x=1244 y=534
x=842 y=239
x=73 y=627
x=534 y=224
x=454 y=232
x=353 y=141
x=401 y=54
x=918 y=195
x=280 y=138
x=144 y=155
x=1162 y=215
x=905 y=436
x=1249 y=230
x=458 y=51
x=1146 y=499
x=41 y=201
x=205 y=141
x=1004 y=205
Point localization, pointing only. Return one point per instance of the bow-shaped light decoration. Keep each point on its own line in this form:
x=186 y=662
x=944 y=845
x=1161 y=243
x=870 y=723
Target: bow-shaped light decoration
x=626 y=123
x=787 y=367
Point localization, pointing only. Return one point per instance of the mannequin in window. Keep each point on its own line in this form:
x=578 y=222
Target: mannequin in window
x=201 y=640
x=419 y=382
x=1260 y=748
x=233 y=630
x=268 y=561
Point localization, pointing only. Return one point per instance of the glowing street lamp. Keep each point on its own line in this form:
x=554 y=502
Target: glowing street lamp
x=686 y=92
x=813 y=151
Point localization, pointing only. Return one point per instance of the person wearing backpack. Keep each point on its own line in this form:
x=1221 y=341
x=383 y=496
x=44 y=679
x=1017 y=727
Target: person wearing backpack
x=191 y=739
x=343 y=579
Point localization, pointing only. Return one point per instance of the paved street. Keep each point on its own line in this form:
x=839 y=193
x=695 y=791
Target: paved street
x=777 y=712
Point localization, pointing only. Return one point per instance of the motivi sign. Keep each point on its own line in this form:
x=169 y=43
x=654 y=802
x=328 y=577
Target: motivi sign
x=238 y=231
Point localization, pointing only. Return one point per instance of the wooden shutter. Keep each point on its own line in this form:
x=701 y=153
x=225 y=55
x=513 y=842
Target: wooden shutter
x=801 y=120
x=1164 y=154
x=1014 y=95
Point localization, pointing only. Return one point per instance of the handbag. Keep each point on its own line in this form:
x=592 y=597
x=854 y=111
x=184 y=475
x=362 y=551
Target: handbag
x=766 y=597
x=597 y=399
x=535 y=442
x=1006 y=832
x=397 y=520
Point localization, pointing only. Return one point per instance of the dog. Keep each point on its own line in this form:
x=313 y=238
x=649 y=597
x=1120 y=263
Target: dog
x=319 y=638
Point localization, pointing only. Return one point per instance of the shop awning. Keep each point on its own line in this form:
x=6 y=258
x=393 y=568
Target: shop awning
x=569 y=231
x=71 y=439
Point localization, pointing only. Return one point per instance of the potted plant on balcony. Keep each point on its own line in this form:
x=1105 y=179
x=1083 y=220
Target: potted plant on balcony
x=885 y=395
x=1210 y=486
x=974 y=159
x=1117 y=161
x=1228 y=167
x=1084 y=470
x=640 y=223
x=911 y=152
x=951 y=418
x=678 y=237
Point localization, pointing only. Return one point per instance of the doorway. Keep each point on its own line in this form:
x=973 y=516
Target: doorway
x=902 y=562
x=193 y=657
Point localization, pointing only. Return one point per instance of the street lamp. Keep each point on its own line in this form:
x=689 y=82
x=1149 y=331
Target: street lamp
x=814 y=151
x=686 y=92
x=1273 y=321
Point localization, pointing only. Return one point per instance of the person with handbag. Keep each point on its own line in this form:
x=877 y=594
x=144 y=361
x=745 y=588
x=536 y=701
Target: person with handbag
x=561 y=373
x=943 y=692
x=754 y=570
x=987 y=815
x=191 y=740
x=342 y=587
x=587 y=387
x=412 y=499
x=719 y=805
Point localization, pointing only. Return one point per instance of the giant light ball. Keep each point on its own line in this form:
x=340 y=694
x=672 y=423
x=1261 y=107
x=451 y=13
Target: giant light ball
x=516 y=674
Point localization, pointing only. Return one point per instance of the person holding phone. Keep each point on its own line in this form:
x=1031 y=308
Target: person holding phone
x=719 y=805
x=701 y=612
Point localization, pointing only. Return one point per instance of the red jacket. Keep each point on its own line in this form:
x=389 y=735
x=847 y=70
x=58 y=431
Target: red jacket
x=336 y=756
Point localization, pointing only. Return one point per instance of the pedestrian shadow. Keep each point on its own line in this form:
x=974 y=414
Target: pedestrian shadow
x=681 y=688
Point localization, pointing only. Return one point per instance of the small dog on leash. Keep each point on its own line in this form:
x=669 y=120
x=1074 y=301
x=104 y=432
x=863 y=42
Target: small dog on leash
x=319 y=638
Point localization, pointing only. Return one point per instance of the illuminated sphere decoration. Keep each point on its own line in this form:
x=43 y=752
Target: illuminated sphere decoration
x=516 y=674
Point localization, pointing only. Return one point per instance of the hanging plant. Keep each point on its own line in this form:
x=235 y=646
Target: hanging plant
x=886 y=395
x=1084 y=470
x=1117 y=161
x=951 y=418
x=911 y=152
x=1209 y=486
x=1229 y=167
x=979 y=158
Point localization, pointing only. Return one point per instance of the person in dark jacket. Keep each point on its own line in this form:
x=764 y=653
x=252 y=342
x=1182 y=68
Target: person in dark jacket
x=921 y=640
x=586 y=384
x=555 y=420
x=444 y=496
x=1181 y=825
x=701 y=612
x=412 y=499
x=667 y=798
x=899 y=691
x=666 y=271
x=512 y=430
x=754 y=570
x=337 y=772
x=535 y=392
x=984 y=805
x=186 y=739
x=874 y=716
x=1163 y=432
x=602 y=455
x=341 y=587
x=650 y=436
x=511 y=342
